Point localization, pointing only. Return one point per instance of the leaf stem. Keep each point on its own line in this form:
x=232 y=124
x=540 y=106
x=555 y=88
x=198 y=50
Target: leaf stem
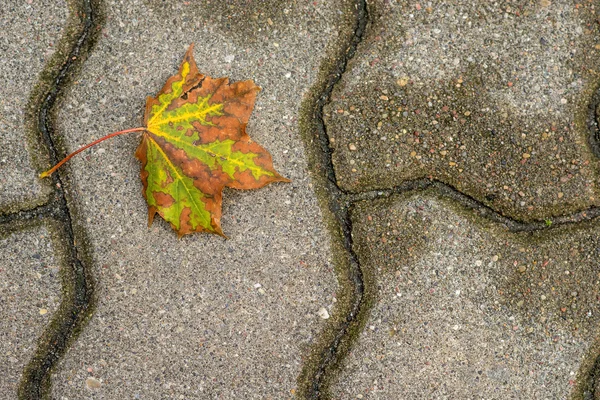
x=67 y=158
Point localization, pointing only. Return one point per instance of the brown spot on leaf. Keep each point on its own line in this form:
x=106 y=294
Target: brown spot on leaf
x=163 y=199
x=169 y=179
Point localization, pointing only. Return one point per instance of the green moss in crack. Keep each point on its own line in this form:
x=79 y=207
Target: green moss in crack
x=46 y=81
x=323 y=360
x=58 y=334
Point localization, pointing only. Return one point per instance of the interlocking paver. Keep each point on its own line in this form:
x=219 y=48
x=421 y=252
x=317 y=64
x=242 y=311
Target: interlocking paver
x=466 y=309
x=29 y=295
x=490 y=97
x=200 y=317
x=30 y=32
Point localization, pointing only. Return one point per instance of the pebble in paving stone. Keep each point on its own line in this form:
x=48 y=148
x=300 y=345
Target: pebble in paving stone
x=490 y=97
x=445 y=327
x=93 y=383
x=29 y=36
x=200 y=317
x=29 y=283
x=323 y=313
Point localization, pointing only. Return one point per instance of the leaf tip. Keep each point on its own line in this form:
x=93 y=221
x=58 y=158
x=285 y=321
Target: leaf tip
x=220 y=233
x=280 y=178
x=45 y=174
x=216 y=228
x=151 y=212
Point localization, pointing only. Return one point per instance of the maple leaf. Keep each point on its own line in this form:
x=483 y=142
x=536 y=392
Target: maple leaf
x=194 y=143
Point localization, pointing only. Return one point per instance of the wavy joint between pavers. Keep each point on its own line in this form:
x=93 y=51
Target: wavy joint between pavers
x=77 y=285
x=336 y=338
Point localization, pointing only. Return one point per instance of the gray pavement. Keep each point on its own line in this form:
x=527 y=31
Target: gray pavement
x=29 y=37
x=491 y=98
x=467 y=309
x=201 y=316
x=29 y=295
x=444 y=245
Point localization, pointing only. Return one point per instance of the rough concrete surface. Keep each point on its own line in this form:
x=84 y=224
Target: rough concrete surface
x=200 y=317
x=29 y=33
x=466 y=309
x=490 y=97
x=496 y=99
x=29 y=295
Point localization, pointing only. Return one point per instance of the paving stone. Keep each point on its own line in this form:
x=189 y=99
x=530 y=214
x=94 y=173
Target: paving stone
x=200 y=317
x=30 y=32
x=29 y=295
x=490 y=97
x=466 y=309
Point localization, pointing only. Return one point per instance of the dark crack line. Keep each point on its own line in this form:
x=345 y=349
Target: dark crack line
x=590 y=391
x=446 y=190
x=44 y=210
x=77 y=302
x=339 y=206
x=594 y=124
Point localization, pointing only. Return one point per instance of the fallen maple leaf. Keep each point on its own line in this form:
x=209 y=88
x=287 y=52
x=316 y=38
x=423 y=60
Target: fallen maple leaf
x=194 y=143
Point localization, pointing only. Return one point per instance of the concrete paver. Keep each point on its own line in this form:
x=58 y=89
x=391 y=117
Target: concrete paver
x=466 y=309
x=29 y=295
x=490 y=97
x=200 y=317
x=30 y=34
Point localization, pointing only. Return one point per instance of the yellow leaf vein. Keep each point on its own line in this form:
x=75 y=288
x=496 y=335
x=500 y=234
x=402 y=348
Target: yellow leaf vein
x=174 y=169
